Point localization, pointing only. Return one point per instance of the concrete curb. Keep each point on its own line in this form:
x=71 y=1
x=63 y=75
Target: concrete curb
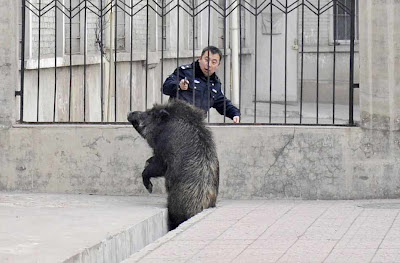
x=118 y=247
x=170 y=235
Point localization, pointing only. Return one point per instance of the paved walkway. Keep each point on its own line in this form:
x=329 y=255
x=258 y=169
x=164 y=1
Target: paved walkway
x=284 y=231
x=84 y=228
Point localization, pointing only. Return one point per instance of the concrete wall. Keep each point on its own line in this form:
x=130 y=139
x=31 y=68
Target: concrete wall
x=380 y=64
x=305 y=162
x=8 y=62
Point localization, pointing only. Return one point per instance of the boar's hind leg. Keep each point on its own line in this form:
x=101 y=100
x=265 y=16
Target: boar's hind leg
x=154 y=168
x=177 y=204
x=174 y=220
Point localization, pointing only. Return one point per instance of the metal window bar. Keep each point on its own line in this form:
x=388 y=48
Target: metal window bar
x=351 y=78
x=193 y=46
x=255 y=66
x=131 y=56
x=55 y=62
x=270 y=64
x=240 y=54
x=177 y=49
x=208 y=61
x=286 y=57
x=115 y=58
x=302 y=62
x=147 y=50
x=193 y=10
x=334 y=61
x=102 y=53
x=38 y=72
x=70 y=61
x=162 y=47
x=85 y=61
x=224 y=54
x=21 y=92
x=318 y=39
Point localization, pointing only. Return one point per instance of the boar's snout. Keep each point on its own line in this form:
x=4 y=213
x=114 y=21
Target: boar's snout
x=133 y=117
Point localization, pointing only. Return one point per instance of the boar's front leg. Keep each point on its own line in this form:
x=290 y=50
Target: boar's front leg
x=154 y=168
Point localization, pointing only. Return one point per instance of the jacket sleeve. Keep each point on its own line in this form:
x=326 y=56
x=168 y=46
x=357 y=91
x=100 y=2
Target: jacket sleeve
x=171 y=84
x=231 y=110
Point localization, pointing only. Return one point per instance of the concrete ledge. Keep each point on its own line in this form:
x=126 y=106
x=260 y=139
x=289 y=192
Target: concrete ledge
x=255 y=162
x=120 y=246
x=136 y=257
x=77 y=228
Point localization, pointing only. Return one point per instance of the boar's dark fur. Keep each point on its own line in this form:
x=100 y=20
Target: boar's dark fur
x=184 y=153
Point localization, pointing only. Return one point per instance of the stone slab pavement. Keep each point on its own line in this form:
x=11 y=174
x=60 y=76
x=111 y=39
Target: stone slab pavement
x=284 y=231
x=77 y=228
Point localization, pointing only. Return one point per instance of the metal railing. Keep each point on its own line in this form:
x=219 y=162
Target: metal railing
x=98 y=75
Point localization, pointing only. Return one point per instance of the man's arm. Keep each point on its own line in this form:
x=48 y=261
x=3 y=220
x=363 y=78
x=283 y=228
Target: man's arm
x=231 y=110
x=170 y=85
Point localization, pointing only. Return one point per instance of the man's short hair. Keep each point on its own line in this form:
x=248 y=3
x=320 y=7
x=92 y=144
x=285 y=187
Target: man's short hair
x=214 y=50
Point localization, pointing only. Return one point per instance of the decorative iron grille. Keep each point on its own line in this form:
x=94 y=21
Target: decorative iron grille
x=92 y=61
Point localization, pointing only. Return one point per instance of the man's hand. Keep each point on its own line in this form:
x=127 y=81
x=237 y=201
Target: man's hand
x=184 y=84
x=236 y=119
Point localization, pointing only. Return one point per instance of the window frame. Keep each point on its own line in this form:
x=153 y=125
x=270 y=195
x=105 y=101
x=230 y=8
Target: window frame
x=331 y=27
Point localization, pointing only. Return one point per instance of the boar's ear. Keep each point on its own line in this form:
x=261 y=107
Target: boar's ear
x=164 y=113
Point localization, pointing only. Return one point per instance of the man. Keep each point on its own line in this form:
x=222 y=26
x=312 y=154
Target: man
x=204 y=88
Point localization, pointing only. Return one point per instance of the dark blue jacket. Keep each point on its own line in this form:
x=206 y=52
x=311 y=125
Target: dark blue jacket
x=205 y=94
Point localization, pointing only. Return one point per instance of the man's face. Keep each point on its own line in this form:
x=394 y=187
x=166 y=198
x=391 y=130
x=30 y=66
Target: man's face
x=209 y=63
